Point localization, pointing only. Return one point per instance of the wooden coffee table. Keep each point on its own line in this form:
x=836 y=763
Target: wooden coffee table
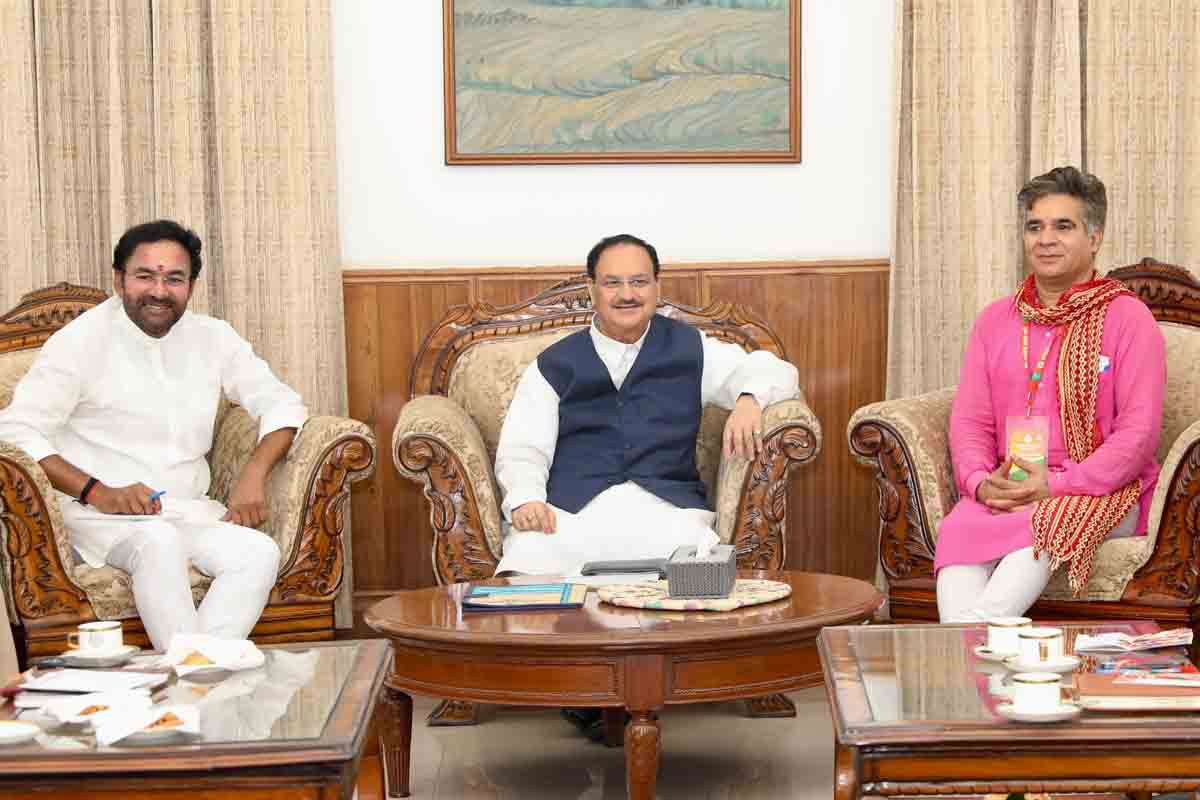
x=604 y=656
x=913 y=715
x=295 y=728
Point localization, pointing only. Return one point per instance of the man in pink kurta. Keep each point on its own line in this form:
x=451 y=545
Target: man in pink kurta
x=985 y=561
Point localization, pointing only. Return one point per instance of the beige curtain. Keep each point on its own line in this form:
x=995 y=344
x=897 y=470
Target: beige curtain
x=989 y=94
x=217 y=113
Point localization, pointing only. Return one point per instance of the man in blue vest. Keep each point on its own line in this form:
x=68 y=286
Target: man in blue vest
x=597 y=455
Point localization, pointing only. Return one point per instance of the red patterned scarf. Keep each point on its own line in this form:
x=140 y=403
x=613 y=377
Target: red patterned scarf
x=1072 y=527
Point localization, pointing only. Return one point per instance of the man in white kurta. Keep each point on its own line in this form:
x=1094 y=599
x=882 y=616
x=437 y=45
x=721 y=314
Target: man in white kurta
x=119 y=409
x=623 y=521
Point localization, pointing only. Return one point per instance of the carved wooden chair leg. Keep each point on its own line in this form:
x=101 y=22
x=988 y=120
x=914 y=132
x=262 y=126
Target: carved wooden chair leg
x=770 y=706
x=453 y=712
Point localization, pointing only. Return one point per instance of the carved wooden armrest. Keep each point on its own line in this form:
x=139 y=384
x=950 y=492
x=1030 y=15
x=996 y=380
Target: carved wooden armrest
x=752 y=496
x=37 y=558
x=438 y=445
x=1169 y=575
x=908 y=443
x=307 y=496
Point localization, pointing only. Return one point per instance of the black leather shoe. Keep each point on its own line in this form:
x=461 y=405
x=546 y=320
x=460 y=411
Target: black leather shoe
x=585 y=718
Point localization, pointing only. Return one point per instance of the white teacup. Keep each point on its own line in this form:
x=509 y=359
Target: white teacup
x=1039 y=645
x=103 y=636
x=1002 y=633
x=1036 y=692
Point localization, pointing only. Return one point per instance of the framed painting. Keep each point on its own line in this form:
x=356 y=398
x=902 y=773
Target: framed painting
x=625 y=81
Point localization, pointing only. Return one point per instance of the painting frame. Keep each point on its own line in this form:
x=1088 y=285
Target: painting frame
x=455 y=156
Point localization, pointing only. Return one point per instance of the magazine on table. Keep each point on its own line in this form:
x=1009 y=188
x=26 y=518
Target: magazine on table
x=1124 y=643
x=525 y=597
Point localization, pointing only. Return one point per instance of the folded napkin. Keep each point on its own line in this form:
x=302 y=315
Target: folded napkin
x=189 y=652
x=95 y=707
x=122 y=724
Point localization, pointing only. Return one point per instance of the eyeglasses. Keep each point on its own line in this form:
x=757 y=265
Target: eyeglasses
x=614 y=284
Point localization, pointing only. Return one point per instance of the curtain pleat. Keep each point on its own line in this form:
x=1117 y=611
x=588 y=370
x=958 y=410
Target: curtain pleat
x=216 y=113
x=990 y=94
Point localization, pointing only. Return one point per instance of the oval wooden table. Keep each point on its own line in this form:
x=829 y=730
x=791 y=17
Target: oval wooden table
x=604 y=656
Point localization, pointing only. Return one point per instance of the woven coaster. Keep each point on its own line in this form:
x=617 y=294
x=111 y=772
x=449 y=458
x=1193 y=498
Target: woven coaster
x=653 y=594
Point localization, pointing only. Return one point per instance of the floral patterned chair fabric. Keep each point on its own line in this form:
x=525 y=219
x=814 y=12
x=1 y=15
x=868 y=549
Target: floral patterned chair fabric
x=50 y=590
x=1152 y=577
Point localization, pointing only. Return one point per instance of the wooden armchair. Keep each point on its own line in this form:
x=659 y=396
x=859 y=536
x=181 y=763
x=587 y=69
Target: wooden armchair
x=463 y=380
x=1155 y=577
x=50 y=590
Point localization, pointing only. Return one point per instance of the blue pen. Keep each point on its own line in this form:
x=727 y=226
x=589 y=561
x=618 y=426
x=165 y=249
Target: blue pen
x=157 y=495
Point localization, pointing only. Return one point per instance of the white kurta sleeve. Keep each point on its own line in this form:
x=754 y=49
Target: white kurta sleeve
x=248 y=381
x=730 y=371
x=527 y=441
x=43 y=400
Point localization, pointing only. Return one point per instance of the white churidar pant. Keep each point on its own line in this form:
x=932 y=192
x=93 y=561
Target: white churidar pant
x=624 y=522
x=242 y=562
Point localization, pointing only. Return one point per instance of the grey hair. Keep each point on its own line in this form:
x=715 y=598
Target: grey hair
x=1069 y=181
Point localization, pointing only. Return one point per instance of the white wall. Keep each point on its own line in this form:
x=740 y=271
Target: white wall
x=400 y=205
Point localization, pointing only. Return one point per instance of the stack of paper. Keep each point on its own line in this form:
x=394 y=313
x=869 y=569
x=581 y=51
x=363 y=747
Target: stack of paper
x=84 y=680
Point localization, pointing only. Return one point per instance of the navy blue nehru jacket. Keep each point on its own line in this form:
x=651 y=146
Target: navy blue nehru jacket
x=645 y=433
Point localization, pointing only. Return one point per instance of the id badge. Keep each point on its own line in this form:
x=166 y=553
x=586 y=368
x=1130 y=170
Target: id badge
x=1028 y=439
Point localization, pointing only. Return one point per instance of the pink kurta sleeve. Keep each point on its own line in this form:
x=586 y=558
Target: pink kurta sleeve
x=1139 y=372
x=972 y=420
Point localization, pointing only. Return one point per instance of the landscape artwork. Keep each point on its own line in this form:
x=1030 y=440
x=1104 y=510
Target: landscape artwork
x=560 y=81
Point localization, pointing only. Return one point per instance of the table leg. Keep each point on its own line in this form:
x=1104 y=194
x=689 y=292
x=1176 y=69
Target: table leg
x=845 y=773
x=395 y=746
x=642 y=744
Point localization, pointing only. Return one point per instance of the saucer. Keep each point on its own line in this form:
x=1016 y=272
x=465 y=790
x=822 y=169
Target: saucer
x=1062 y=665
x=987 y=654
x=106 y=658
x=1066 y=710
x=15 y=732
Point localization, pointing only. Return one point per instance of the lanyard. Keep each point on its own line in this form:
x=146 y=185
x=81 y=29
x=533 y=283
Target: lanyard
x=1035 y=378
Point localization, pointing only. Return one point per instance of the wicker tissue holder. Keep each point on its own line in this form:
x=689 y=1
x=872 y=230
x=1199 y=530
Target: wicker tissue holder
x=712 y=575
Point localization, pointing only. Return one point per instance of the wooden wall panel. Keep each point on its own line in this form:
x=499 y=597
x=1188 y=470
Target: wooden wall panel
x=831 y=317
x=833 y=326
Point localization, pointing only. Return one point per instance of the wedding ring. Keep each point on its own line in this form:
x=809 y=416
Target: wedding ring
x=758 y=433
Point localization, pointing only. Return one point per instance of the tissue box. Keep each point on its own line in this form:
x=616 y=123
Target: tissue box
x=710 y=576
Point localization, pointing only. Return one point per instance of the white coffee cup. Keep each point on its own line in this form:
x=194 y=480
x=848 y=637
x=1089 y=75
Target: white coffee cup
x=1002 y=633
x=1039 y=645
x=103 y=636
x=1036 y=692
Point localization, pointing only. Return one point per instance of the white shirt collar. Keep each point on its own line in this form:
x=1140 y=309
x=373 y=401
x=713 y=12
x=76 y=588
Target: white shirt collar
x=605 y=343
x=618 y=357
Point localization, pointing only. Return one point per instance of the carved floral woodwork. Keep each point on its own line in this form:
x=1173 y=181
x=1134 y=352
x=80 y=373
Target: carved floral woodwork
x=42 y=312
x=758 y=533
x=905 y=541
x=316 y=569
x=40 y=586
x=1167 y=585
x=460 y=549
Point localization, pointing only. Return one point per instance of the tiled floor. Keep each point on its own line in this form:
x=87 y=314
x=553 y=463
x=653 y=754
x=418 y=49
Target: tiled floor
x=709 y=752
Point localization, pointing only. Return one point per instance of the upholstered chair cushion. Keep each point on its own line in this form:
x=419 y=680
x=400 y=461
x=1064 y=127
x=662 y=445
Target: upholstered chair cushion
x=13 y=367
x=485 y=379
